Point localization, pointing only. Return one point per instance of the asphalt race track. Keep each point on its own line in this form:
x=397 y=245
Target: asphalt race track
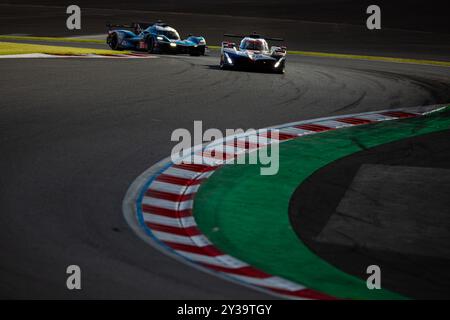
x=74 y=133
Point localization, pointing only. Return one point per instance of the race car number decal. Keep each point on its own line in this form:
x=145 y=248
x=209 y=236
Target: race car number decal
x=142 y=45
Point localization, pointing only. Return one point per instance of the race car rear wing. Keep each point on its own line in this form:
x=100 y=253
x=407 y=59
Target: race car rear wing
x=227 y=44
x=253 y=35
x=136 y=26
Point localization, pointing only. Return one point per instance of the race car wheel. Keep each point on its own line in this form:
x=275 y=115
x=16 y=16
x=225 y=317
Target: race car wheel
x=281 y=69
x=150 y=45
x=222 y=62
x=202 y=50
x=194 y=52
x=113 y=41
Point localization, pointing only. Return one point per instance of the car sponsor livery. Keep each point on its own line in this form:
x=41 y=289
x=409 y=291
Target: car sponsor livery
x=253 y=53
x=153 y=37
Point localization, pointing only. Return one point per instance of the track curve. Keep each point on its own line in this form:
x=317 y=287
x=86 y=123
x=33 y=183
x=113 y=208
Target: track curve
x=72 y=137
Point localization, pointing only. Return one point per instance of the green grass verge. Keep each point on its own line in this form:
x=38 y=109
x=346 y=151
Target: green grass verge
x=52 y=39
x=8 y=48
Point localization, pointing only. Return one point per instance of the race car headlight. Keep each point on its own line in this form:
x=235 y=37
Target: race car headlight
x=173 y=45
x=159 y=38
x=228 y=59
x=202 y=41
x=278 y=63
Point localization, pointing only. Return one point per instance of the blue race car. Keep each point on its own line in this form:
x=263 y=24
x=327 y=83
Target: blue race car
x=154 y=38
x=253 y=53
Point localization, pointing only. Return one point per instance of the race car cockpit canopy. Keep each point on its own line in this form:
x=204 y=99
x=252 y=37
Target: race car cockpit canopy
x=167 y=31
x=254 y=44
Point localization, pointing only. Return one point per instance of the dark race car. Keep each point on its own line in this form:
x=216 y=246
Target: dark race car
x=153 y=37
x=253 y=53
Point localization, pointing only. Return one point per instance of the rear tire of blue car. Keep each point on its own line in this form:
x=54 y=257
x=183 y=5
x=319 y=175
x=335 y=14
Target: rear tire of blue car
x=113 y=42
x=150 y=45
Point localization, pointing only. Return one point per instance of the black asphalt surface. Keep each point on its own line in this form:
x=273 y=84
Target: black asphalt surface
x=75 y=133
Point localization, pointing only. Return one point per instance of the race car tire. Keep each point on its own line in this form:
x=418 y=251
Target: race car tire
x=199 y=51
x=150 y=45
x=222 y=63
x=113 y=41
x=281 y=70
x=194 y=52
x=202 y=50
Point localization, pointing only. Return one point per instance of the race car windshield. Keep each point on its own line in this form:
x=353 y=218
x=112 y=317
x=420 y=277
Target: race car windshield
x=172 y=35
x=254 y=45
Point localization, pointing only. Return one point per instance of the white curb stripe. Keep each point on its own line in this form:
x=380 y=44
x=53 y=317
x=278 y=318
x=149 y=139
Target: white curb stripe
x=199 y=159
x=167 y=221
x=199 y=241
x=376 y=117
x=296 y=131
x=173 y=188
x=182 y=173
x=256 y=139
x=272 y=282
x=333 y=124
x=167 y=204
x=221 y=261
x=224 y=148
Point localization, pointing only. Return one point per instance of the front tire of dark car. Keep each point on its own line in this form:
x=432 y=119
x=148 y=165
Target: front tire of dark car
x=222 y=64
x=281 y=69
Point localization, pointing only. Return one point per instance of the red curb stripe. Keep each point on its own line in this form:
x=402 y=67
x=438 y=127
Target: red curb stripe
x=209 y=250
x=190 y=231
x=195 y=167
x=243 y=271
x=166 y=212
x=176 y=180
x=217 y=155
x=399 y=114
x=313 y=127
x=244 y=144
x=169 y=196
x=355 y=121
x=281 y=136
